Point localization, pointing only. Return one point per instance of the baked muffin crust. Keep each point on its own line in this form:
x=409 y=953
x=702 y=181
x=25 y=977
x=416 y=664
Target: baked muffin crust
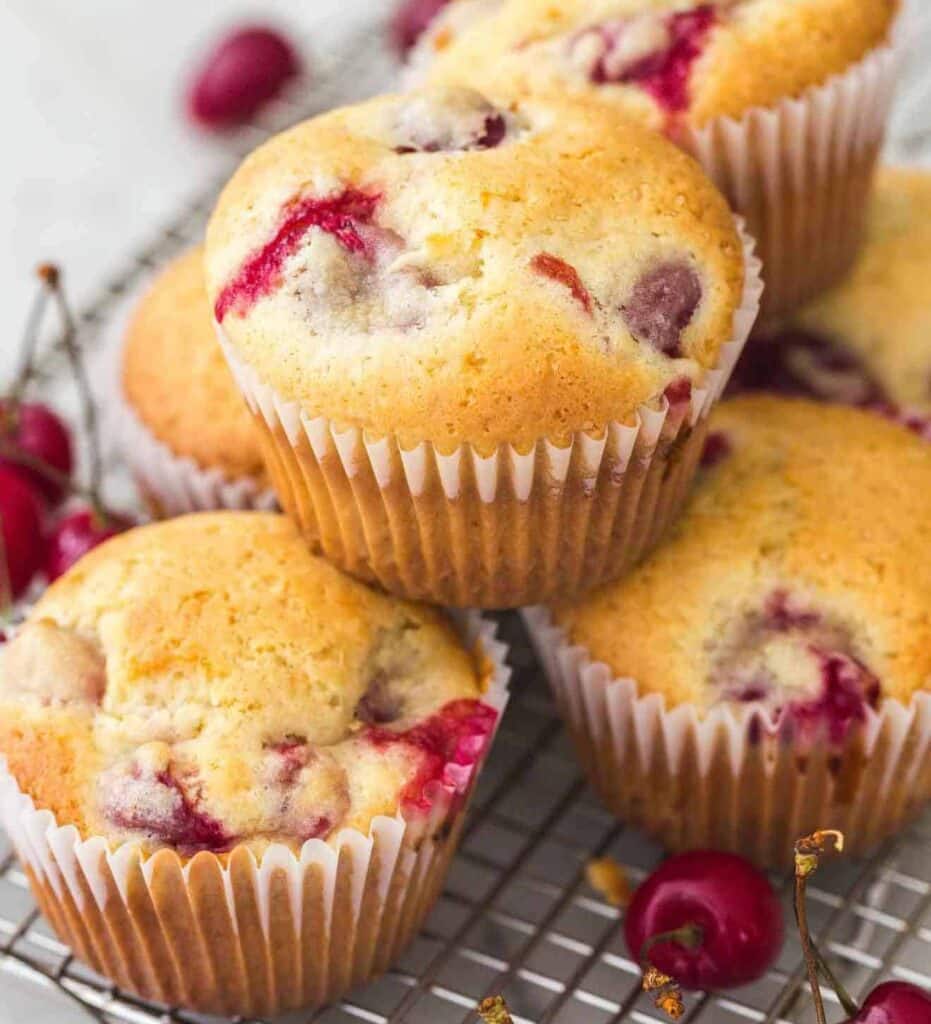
x=206 y=682
x=868 y=340
x=424 y=266
x=176 y=380
x=791 y=580
x=665 y=61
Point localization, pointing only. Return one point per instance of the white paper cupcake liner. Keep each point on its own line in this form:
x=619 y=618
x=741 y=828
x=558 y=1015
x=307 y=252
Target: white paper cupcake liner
x=237 y=935
x=800 y=174
x=502 y=530
x=717 y=780
x=173 y=485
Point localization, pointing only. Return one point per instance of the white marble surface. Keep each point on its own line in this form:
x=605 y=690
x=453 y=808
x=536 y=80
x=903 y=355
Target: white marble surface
x=98 y=151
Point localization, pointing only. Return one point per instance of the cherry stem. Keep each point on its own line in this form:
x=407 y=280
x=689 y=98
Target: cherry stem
x=52 y=281
x=808 y=854
x=31 y=336
x=14 y=454
x=689 y=935
x=811 y=961
x=6 y=584
x=846 y=999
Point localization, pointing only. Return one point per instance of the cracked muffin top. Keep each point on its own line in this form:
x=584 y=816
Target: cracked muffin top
x=206 y=682
x=668 y=62
x=791 y=582
x=868 y=340
x=175 y=378
x=442 y=268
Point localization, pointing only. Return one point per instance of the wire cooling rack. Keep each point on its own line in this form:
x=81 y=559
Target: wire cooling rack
x=517 y=917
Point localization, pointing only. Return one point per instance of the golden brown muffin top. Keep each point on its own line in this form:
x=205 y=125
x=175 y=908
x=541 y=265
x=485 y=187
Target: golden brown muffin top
x=881 y=312
x=206 y=681
x=665 y=61
x=445 y=269
x=175 y=377
x=796 y=575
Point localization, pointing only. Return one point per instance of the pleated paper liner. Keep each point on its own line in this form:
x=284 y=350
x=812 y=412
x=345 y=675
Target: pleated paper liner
x=236 y=935
x=719 y=780
x=800 y=174
x=173 y=485
x=497 y=531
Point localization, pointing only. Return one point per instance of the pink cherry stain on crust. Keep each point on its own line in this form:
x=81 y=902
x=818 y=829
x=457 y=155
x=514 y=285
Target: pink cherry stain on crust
x=665 y=74
x=185 y=826
x=340 y=215
x=717 y=448
x=448 y=744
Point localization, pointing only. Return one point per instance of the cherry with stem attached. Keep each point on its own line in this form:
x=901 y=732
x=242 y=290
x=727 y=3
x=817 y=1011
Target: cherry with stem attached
x=895 y=1002
x=703 y=920
x=35 y=452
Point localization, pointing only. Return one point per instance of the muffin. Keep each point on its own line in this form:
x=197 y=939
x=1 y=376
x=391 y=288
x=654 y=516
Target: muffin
x=184 y=429
x=767 y=671
x=783 y=101
x=479 y=341
x=868 y=340
x=235 y=777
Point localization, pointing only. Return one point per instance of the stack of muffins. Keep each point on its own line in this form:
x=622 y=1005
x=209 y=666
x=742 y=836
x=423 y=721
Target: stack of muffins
x=482 y=329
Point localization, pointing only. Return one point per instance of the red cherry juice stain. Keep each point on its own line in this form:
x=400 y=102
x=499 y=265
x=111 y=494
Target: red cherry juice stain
x=448 y=744
x=340 y=215
x=558 y=270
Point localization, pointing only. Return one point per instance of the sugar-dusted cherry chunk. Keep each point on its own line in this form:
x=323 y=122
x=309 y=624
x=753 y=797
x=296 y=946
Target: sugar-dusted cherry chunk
x=447 y=120
x=54 y=665
x=661 y=305
x=151 y=795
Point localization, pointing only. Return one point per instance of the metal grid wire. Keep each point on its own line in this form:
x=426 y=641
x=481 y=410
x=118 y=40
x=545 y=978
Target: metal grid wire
x=517 y=916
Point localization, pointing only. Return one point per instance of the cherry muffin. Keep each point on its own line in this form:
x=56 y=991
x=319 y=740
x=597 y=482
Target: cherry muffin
x=783 y=101
x=185 y=431
x=768 y=670
x=235 y=777
x=479 y=340
x=867 y=341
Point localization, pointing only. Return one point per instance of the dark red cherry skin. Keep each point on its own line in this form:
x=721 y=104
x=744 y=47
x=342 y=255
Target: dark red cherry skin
x=39 y=433
x=728 y=899
x=76 y=534
x=21 y=530
x=895 y=1002
x=411 y=20
x=241 y=74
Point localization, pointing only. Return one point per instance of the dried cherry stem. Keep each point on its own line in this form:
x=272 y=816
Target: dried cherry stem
x=846 y=999
x=30 y=343
x=689 y=935
x=73 y=351
x=808 y=854
x=494 y=1010
x=668 y=993
x=6 y=584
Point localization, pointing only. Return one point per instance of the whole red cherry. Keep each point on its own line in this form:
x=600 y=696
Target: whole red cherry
x=895 y=1002
x=731 y=916
x=243 y=72
x=38 y=433
x=74 y=535
x=21 y=529
x=411 y=20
